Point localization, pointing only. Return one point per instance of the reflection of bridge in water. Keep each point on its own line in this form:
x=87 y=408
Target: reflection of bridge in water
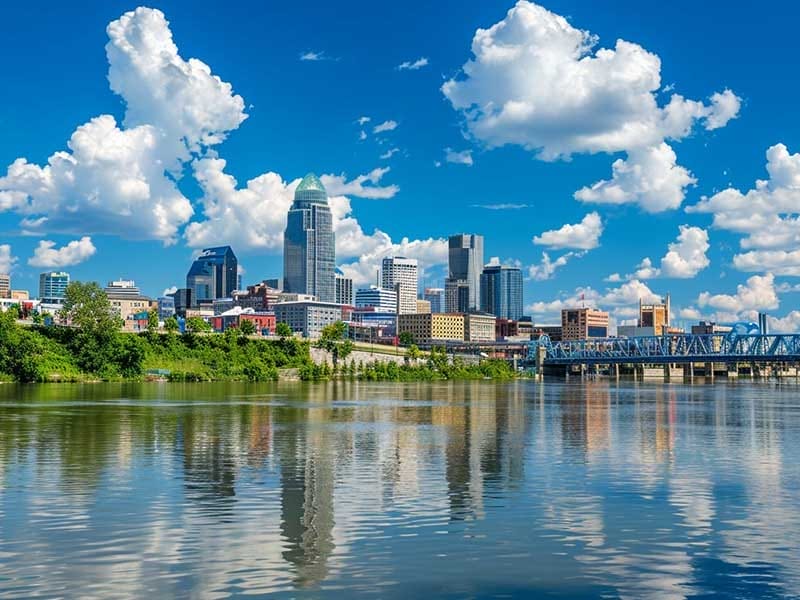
x=754 y=350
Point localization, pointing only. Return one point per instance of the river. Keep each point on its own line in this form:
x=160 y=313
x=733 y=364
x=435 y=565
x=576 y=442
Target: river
x=457 y=490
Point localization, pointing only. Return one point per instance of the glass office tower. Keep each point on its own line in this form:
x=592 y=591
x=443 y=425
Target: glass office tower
x=53 y=286
x=466 y=265
x=501 y=292
x=309 y=252
x=213 y=274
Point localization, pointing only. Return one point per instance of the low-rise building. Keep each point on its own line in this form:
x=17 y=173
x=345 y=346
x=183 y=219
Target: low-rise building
x=554 y=332
x=479 y=327
x=292 y=297
x=506 y=328
x=127 y=301
x=20 y=295
x=260 y=297
x=308 y=317
x=429 y=328
x=263 y=322
x=708 y=328
x=628 y=331
x=583 y=323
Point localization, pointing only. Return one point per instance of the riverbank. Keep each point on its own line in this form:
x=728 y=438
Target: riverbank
x=67 y=354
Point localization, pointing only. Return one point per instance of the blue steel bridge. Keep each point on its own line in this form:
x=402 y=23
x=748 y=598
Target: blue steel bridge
x=730 y=347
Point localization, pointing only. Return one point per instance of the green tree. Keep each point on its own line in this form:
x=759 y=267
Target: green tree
x=247 y=327
x=413 y=352
x=94 y=341
x=197 y=325
x=406 y=338
x=171 y=324
x=152 y=321
x=283 y=331
x=86 y=306
x=333 y=340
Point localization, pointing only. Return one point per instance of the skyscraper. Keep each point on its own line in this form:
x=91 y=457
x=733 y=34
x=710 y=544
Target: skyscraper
x=400 y=274
x=52 y=286
x=213 y=275
x=309 y=252
x=466 y=264
x=5 y=285
x=501 y=291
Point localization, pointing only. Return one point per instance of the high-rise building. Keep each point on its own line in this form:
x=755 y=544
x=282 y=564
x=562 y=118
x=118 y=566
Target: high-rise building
x=309 y=253
x=466 y=264
x=655 y=316
x=52 y=287
x=378 y=298
x=213 y=275
x=501 y=291
x=436 y=297
x=400 y=274
x=457 y=296
x=344 y=289
x=5 y=285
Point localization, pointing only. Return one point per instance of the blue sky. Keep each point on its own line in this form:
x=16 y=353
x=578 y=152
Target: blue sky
x=302 y=116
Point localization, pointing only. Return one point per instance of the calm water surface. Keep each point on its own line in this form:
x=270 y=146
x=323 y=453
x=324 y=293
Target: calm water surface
x=460 y=490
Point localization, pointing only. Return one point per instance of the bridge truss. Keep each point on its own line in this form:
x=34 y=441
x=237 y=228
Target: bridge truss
x=670 y=349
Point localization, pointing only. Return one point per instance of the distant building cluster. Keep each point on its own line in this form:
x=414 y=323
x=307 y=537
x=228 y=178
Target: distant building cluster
x=477 y=303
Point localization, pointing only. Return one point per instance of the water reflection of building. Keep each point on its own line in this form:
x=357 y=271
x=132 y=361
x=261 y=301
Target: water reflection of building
x=307 y=483
x=485 y=428
x=585 y=417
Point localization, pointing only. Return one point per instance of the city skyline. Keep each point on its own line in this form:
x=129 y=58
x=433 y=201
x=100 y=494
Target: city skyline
x=679 y=212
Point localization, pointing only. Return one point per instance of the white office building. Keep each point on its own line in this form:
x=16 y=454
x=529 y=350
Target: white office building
x=381 y=300
x=399 y=274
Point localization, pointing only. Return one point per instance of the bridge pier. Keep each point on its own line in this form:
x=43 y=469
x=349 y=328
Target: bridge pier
x=709 y=371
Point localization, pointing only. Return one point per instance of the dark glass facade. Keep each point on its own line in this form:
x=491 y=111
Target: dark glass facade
x=466 y=264
x=501 y=292
x=309 y=253
x=213 y=274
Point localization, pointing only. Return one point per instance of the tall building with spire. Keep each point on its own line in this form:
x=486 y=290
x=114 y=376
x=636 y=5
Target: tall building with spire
x=309 y=253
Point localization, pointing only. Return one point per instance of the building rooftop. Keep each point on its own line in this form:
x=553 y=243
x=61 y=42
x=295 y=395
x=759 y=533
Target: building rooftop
x=310 y=182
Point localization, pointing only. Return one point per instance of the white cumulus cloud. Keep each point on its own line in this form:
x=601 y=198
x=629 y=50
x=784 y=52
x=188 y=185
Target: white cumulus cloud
x=121 y=179
x=7 y=260
x=685 y=257
x=766 y=216
x=580 y=236
x=48 y=256
x=363 y=186
x=649 y=177
x=540 y=83
x=758 y=293
x=547 y=267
